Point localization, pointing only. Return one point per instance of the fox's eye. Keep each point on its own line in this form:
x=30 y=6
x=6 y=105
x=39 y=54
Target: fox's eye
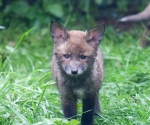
x=66 y=56
x=82 y=57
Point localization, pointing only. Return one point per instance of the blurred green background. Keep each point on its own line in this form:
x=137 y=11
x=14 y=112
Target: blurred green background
x=30 y=13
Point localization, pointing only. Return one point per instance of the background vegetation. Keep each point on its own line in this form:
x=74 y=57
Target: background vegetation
x=29 y=13
x=28 y=94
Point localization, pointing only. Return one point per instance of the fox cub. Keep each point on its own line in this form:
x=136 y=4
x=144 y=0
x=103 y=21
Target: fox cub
x=77 y=67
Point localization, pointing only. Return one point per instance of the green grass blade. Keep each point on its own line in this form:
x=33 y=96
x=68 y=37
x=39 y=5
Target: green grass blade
x=17 y=45
x=18 y=114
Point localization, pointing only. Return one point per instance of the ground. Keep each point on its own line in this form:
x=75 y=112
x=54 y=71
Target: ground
x=29 y=95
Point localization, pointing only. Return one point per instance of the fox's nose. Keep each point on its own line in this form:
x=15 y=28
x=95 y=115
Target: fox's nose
x=74 y=72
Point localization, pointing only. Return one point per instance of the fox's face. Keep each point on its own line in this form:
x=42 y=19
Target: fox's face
x=75 y=50
x=75 y=55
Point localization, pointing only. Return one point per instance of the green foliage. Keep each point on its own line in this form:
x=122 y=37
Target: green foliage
x=24 y=14
x=56 y=10
x=122 y=6
x=98 y=1
x=29 y=95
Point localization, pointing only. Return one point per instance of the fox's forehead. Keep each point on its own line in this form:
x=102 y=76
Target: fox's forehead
x=76 y=43
x=76 y=34
x=76 y=38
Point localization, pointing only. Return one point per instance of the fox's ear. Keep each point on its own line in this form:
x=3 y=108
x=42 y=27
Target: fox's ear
x=94 y=35
x=58 y=32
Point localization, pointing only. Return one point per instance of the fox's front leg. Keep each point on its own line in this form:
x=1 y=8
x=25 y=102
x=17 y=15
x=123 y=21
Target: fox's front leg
x=69 y=105
x=97 y=106
x=88 y=110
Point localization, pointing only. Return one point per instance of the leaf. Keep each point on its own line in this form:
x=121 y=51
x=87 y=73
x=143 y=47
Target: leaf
x=56 y=10
x=75 y=122
x=18 y=114
x=98 y=1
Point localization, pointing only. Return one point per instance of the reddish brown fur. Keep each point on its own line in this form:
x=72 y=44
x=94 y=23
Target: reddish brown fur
x=86 y=81
x=77 y=44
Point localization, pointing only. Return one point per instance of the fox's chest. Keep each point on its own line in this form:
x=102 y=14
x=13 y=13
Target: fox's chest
x=78 y=88
x=80 y=93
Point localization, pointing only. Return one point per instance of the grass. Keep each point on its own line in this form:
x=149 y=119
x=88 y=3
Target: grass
x=29 y=95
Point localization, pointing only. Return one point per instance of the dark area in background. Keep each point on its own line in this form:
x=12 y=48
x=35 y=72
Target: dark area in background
x=30 y=13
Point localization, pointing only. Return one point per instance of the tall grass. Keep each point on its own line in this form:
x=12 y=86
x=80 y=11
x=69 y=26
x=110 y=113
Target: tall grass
x=29 y=95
